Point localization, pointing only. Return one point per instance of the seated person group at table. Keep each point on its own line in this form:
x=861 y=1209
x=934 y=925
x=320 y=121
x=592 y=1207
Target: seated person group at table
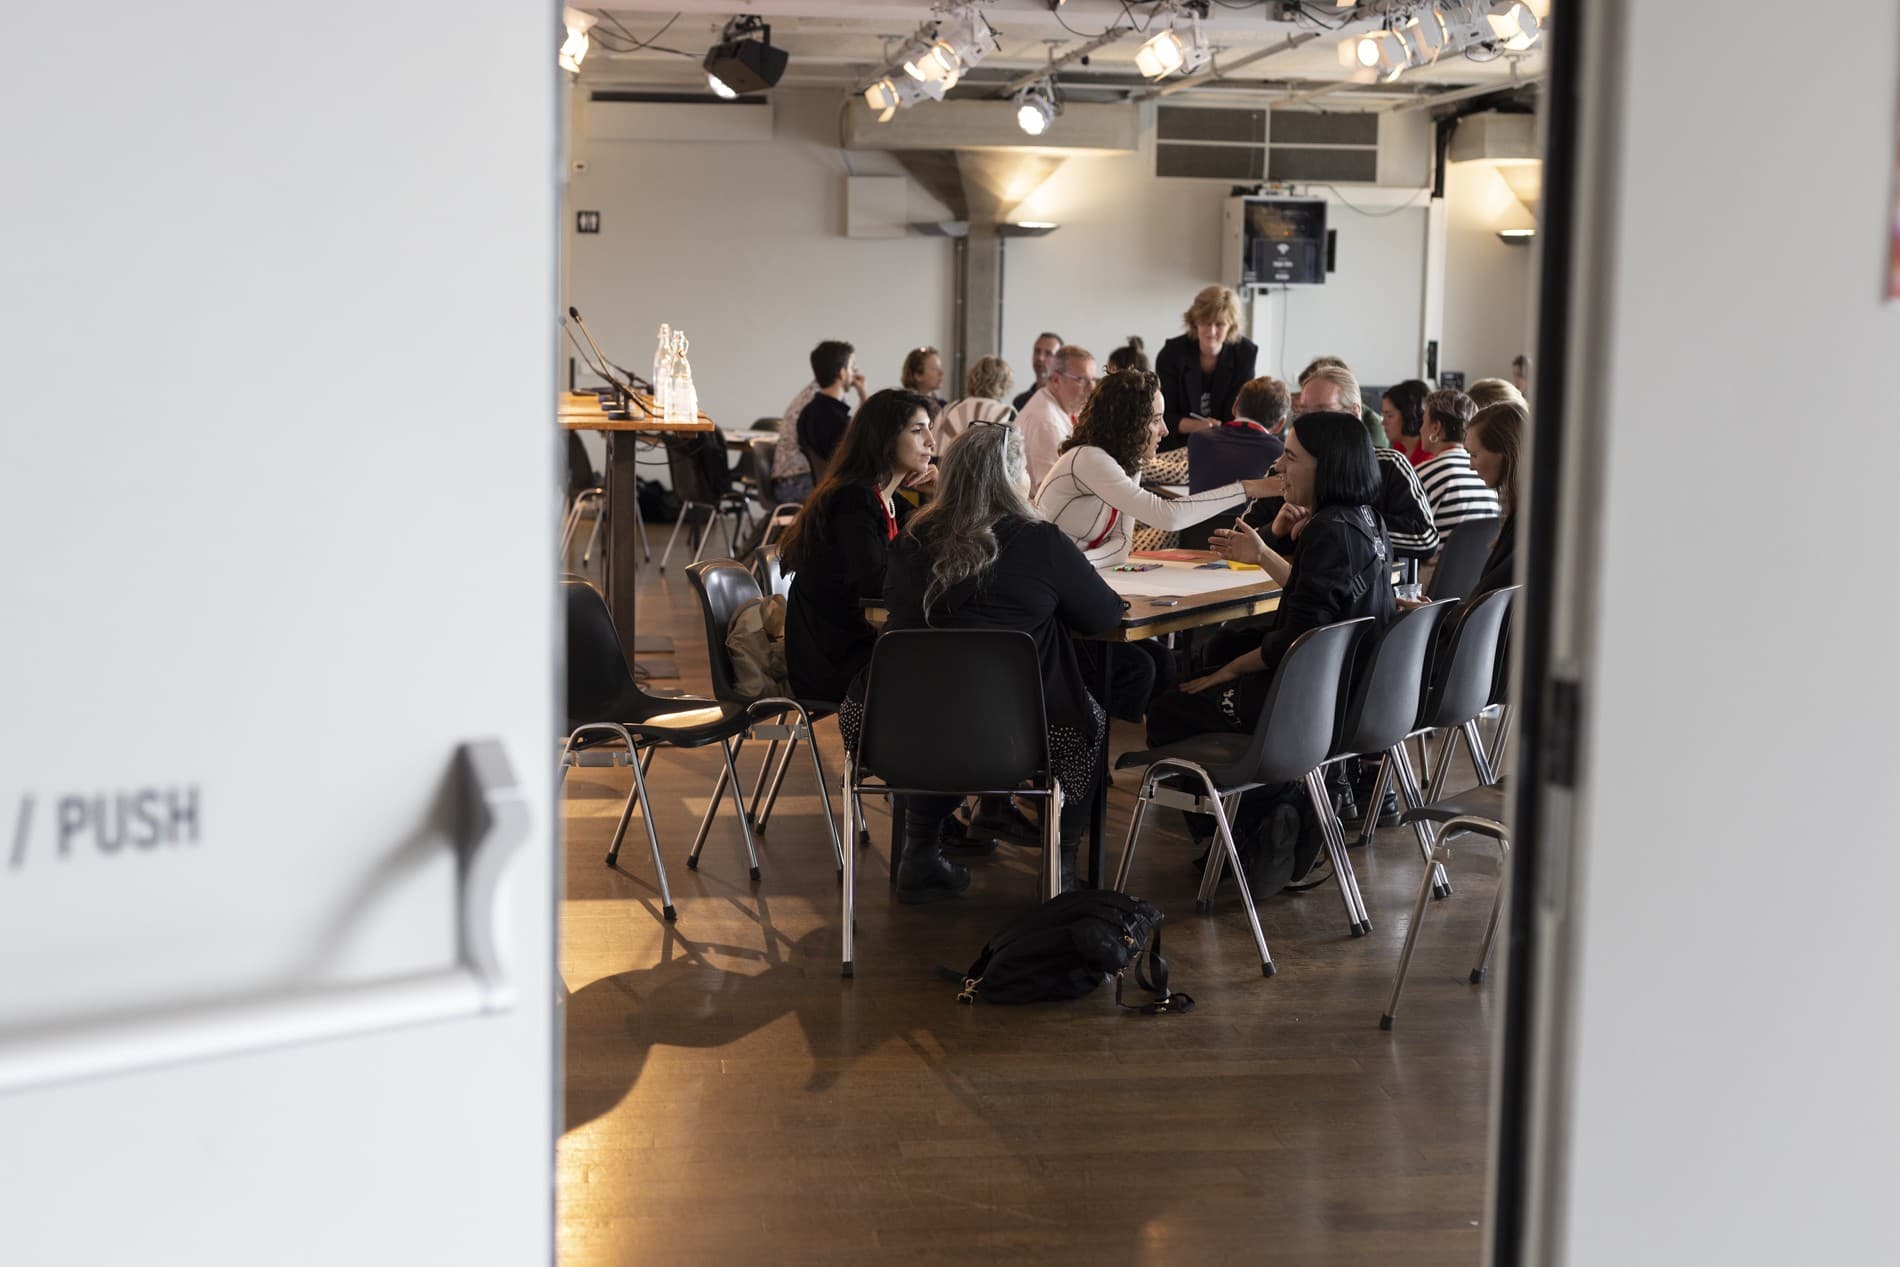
x=997 y=513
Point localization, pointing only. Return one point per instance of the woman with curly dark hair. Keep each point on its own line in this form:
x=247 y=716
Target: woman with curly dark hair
x=1093 y=492
x=1094 y=495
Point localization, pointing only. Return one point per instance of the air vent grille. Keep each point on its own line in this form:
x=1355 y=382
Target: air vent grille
x=1197 y=143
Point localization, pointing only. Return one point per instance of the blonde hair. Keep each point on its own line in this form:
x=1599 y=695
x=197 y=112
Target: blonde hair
x=1496 y=391
x=989 y=378
x=1500 y=428
x=1215 y=304
x=1342 y=378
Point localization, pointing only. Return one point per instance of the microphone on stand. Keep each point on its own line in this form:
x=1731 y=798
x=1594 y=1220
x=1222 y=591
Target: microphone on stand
x=632 y=378
x=618 y=412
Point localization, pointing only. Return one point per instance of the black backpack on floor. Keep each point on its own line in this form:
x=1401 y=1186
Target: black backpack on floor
x=1068 y=946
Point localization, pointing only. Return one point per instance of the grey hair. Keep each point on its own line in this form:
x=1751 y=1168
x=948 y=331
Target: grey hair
x=979 y=479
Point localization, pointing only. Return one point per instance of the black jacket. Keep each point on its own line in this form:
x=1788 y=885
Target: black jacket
x=1500 y=565
x=1040 y=584
x=1178 y=366
x=827 y=639
x=1342 y=570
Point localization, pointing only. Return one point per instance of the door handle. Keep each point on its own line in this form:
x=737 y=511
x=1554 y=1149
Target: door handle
x=491 y=822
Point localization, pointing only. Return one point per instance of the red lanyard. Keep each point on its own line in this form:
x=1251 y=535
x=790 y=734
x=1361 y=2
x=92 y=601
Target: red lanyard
x=1238 y=423
x=890 y=520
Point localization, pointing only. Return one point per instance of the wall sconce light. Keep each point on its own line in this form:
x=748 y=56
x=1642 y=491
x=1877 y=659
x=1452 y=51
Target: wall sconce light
x=1516 y=237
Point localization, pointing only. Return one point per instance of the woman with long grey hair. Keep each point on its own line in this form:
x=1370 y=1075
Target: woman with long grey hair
x=979 y=557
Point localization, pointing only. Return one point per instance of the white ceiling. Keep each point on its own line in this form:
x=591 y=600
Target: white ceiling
x=842 y=42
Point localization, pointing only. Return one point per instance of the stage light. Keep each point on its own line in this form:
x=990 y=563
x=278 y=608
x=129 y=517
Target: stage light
x=1035 y=109
x=1514 y=24
x=574 y=47
x=740 y=64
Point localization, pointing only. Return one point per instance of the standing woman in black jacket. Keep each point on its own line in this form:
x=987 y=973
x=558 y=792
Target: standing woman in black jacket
x=837 y=547
x=1203 y=370
x=979 y=557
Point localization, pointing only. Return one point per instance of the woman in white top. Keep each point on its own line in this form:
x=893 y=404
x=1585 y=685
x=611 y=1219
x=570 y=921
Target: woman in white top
x=985 y=399
x=1093 y=492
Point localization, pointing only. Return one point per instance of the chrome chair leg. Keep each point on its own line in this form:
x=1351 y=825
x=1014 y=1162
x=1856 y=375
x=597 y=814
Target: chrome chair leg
x=1379 y=786
x=569 y=522
x=1135 y=818
x=1447 y=748
x=838 y=851
x=653 y=841
x=738 y=803
x=1052 y=840
x=593 y=537
x=759 y=784
x=640 y=526
x=1216 y=865
x=1408 y=790
x=1411 y=939
x=1497 y=905
x=1342 y=870
x=849 y=885
x=1233 y=858
x=1480 y=763
x=706 y=821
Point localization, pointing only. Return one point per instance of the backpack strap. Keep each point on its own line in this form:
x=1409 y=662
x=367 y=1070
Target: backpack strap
x=1151 y=974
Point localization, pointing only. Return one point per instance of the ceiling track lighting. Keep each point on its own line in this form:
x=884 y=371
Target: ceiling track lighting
x=932 y=61
x=1036 y=108
x=744 y=61
x=1415 y=35
x=1167 y=51
x=574 y=47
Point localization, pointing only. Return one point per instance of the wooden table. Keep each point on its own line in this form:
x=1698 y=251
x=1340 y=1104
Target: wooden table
x=1201 y=597
x=620 y=565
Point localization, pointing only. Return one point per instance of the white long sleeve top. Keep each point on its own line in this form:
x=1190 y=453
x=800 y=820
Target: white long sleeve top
x=1043 y=425
x=1097 y=504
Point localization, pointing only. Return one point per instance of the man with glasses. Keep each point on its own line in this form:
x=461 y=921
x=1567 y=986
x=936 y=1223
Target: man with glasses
x=1048 y=417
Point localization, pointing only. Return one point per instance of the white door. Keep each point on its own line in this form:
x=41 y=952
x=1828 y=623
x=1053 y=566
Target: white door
x=276 y=633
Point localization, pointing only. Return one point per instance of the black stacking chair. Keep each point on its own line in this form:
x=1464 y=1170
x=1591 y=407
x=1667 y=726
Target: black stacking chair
x=1480 y=811
x=779 y=513
x=769 y=570
x=1383 y=704
x=1461 y=559
x=989 y=737
x=605 y=704
x=702 y=481
x=1288 y=745
x=1464 y=673
x=722 y=587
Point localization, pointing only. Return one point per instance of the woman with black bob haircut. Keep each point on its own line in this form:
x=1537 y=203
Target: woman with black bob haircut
x=1402 y=410
x=979 y=557
x=837 y=547
x=1340 y=568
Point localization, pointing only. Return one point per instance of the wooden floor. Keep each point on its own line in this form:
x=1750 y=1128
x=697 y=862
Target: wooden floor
x=731 y=1100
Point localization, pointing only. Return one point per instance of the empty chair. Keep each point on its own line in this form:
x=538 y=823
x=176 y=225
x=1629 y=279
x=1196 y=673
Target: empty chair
x=989 y=736
x=1463 y=675
x=1382 y=707
x=1480 y=811
x=1289 y=742
x=702 y=481
x=781 y=512
x=1461 y=558
x=605 y=703
x=722 y=587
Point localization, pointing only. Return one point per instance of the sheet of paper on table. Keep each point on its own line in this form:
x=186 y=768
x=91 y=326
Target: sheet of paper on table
x=1183 y=579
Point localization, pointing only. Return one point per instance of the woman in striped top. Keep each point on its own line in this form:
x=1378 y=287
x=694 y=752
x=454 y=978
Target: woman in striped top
x=1092 y=492
x=1454 y=490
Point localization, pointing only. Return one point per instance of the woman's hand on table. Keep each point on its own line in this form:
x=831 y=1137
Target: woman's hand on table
x=1239 y=543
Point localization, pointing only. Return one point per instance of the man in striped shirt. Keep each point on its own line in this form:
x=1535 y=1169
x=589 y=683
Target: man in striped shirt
x=1451 y=486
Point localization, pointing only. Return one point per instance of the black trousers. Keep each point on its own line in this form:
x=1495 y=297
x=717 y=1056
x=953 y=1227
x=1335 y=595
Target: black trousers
x=1139 y=672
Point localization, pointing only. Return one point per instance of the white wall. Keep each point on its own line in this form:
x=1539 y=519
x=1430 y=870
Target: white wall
x=1731 y=1094
x=278 y=510
x=743 y=246
x=1488 y=283
x=746 y=250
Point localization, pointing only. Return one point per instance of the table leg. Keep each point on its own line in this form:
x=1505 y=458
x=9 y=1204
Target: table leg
x=620 y=564
x=1098 y=814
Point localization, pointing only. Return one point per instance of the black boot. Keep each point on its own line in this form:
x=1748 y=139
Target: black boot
x=925 y=875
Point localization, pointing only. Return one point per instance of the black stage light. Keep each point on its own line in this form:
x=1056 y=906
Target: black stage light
x=738 y=64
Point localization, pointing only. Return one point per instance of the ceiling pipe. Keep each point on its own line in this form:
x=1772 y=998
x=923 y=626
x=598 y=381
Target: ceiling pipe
x=1461 y=94
x=1218 y=71
x=1328 y=90
x=1075 y=54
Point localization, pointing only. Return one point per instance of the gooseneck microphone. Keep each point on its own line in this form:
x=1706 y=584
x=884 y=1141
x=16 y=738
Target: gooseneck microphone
x=634 y=380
